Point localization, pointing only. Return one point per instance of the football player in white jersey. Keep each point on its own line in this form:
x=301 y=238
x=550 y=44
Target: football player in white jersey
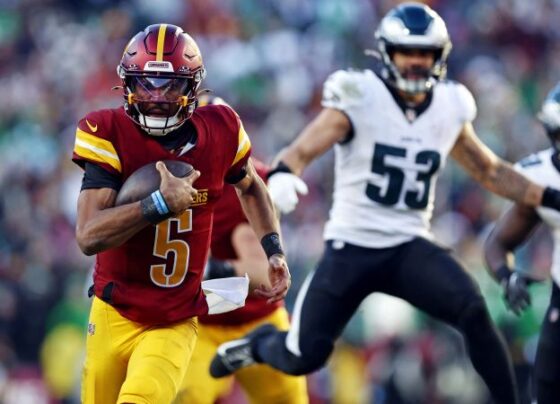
x=514 y=227
x=392 y=131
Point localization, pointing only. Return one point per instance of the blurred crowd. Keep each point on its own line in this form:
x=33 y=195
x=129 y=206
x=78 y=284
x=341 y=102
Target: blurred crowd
x=267 y=58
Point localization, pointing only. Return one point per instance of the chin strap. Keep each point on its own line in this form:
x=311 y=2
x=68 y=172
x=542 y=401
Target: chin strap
x=142 y=119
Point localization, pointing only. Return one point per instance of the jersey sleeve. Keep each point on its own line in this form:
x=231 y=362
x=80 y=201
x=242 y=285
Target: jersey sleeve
x=94 y=143
x=241 y=147
x=465 y=103
x=342 y=90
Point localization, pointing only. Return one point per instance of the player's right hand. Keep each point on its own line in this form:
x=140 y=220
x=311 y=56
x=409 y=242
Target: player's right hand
x=179 y=194
x=516 y=292
x=279 y=277
x=284 y=189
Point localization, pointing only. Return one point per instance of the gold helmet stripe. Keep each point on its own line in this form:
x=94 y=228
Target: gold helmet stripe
x=160 y=42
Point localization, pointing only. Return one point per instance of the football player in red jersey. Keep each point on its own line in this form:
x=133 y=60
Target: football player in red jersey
x=235 y=251
x=151 y=253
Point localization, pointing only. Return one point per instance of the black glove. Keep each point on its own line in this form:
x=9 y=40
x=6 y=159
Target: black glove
x=516 y=292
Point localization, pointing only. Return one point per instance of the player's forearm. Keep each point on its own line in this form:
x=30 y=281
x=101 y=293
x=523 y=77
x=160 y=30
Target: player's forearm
x=318 y=137
x=496 y=254
x=503 y=180
x=294 y=158
x=321 y=134
x=251 y=257
x=257 y=272
x=258 y=208
x=110 y=228
x=495 y=174
x=513 y=228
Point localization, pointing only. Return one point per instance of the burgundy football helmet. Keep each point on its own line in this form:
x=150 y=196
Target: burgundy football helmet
x=161 y=70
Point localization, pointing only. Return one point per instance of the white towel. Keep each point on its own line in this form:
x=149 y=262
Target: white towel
x=225 y=294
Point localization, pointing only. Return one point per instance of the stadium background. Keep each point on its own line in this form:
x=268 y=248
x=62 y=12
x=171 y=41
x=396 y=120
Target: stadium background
x=268 y=58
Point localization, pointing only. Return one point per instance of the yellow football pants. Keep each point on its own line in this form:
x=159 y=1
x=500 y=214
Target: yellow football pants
x=261 y=383
x=127 y=362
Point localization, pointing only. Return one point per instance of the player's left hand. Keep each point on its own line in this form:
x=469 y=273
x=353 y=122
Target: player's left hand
x=516 y=292
x=280 y=279
x=284 y=189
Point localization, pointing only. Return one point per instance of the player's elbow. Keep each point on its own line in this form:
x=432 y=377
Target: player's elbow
x=88 y=249
x=88 y=245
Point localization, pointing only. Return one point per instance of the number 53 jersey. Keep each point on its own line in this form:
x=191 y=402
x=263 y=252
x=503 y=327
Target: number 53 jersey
x=385 y=173
x=155 y=276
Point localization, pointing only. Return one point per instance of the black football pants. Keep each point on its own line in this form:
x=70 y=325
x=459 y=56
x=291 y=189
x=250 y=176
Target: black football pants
x=420 y=272
x=547 y=365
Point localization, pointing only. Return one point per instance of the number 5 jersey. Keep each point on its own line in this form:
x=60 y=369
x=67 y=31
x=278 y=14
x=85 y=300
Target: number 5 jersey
x=155 y=276
x=385 y=171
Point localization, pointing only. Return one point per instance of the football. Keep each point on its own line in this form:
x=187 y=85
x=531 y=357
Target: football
x=146 y=180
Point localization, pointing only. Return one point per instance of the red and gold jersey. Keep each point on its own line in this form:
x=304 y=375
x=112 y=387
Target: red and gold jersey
x=155 y=276
x=228 y=215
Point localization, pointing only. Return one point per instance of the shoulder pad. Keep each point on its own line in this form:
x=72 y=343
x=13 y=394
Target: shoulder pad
x=465 y=101
x=94 y=141
x=343 y=89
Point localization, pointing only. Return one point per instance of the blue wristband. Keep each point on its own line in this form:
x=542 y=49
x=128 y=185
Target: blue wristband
x=160 y=203
x=154 y=208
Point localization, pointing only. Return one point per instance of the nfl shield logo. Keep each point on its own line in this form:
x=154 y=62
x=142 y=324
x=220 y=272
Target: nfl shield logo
x=91 y=328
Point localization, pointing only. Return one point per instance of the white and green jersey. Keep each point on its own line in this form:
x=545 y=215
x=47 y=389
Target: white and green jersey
x=385 y=174
x=539 y=168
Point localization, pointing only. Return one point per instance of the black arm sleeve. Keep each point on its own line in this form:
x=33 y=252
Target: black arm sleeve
x=97 y=177
x=235 y=179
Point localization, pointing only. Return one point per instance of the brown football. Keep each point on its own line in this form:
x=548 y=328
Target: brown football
x=146 y=180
